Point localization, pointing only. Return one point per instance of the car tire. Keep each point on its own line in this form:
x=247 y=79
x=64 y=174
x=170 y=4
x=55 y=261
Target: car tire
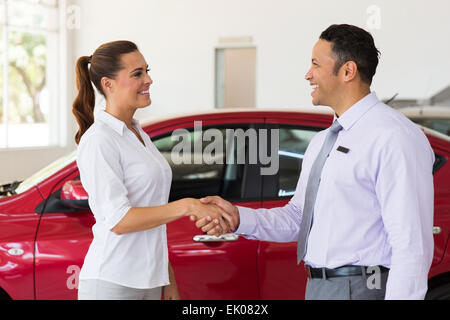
x=441 y=292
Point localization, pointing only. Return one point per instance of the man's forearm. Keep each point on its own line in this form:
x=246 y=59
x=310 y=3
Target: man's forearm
x=276 y=224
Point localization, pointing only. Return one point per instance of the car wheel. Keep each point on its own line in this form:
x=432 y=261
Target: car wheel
x=442 y=292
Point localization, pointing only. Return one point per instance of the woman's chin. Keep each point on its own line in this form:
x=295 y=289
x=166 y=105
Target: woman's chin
x=144 y=104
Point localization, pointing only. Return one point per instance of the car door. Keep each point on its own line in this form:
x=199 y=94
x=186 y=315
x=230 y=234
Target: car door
x=279 y=275
x=63 y=238
x=206 y=267
x=278 y=189
x=441 y=221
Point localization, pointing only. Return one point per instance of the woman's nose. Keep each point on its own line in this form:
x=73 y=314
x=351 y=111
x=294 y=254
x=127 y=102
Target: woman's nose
x=149 y=79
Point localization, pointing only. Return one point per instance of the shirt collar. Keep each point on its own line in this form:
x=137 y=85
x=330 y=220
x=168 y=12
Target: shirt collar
x=114 y=123
x=356 y=111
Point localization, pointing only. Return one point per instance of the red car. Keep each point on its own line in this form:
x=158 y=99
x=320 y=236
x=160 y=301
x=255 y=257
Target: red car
x=45 y=222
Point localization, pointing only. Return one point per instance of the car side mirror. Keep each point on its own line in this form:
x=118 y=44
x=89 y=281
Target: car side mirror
x=74 y=196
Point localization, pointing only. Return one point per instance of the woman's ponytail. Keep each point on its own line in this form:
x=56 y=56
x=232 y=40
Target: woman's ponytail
x=83 y=106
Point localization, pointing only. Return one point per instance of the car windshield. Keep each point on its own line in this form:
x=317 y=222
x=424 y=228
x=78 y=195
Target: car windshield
x=43 y=174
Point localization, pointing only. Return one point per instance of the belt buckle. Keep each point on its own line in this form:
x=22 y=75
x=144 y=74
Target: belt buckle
x=308 y=271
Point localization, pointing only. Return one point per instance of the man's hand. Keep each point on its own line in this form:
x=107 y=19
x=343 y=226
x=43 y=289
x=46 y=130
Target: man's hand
x=220 y=219
x=208 y=224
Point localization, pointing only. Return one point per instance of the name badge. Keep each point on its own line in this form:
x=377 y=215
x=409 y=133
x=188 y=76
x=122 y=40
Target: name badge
x=343 y=149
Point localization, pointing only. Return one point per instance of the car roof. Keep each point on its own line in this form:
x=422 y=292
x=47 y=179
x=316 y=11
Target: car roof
x=313 y=110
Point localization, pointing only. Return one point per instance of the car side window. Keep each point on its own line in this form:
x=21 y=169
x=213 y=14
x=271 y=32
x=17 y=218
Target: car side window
x=204 y=170
x=439 y=161
x=440 y=125
x=293 y=144
x=293 y=141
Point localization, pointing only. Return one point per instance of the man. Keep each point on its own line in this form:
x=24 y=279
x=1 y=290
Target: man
x=364 y=199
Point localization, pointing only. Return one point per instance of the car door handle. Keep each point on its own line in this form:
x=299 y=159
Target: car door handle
x=208 y=238
x=437 y=230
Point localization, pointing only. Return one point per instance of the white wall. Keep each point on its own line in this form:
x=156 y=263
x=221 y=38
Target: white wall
x=178 y=38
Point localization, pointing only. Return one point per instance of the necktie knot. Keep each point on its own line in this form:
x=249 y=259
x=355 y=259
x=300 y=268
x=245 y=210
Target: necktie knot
x=335 y=127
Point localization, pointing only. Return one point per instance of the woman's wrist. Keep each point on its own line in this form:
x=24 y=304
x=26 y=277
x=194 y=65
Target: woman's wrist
x=187 y=206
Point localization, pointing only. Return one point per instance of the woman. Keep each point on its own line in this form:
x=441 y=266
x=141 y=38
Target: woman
x=128 y=182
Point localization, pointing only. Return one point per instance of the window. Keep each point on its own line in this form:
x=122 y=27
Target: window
x=440 y=125
x=196 y=178
x=292 y=146
x=29 y=51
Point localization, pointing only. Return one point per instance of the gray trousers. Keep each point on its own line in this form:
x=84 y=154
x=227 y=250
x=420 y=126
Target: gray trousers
x=347 y=288
x=103 y=290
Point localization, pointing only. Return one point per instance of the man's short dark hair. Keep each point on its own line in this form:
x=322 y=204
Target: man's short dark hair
x=350 y=43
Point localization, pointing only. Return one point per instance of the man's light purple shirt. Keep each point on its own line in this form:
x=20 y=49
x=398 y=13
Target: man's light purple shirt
x=374 y=205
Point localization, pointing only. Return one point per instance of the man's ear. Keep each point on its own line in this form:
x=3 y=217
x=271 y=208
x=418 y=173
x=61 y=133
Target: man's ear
x=107 y=85
x=349 y=70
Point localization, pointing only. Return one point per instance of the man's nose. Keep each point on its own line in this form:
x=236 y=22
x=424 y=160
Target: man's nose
x=308 y=75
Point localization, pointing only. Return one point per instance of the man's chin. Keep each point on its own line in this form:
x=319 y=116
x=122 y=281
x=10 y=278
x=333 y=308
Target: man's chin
x=317 y=102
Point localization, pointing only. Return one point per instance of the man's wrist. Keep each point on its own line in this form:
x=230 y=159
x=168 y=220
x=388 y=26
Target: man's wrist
x=238 y=218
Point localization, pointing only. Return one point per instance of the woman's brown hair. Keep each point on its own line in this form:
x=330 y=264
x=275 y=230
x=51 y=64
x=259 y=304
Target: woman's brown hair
x=105 y=62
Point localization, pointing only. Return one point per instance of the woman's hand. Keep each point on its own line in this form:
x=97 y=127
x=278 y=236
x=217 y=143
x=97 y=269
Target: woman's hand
x=170 y=292
x=222 y=219
x=206 y=224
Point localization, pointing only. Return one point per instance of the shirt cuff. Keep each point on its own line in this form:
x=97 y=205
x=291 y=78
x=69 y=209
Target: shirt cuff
x=247 y=221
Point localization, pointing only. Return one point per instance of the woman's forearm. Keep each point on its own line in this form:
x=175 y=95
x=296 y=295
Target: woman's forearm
x=138 y=219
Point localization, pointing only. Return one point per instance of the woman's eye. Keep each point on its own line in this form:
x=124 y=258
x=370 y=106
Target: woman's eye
x=138 y=74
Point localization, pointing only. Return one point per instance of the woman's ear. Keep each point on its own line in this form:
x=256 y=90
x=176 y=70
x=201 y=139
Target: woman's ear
x=107 y=85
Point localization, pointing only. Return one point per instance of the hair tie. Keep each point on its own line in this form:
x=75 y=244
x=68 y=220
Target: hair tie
x=90 y=58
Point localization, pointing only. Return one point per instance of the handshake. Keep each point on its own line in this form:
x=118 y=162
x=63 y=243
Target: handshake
x=215 y=216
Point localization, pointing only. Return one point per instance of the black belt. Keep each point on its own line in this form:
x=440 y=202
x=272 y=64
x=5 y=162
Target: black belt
x=345 y=271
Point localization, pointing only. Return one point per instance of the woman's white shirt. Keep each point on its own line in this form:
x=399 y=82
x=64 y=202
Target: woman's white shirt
x=118 y=173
